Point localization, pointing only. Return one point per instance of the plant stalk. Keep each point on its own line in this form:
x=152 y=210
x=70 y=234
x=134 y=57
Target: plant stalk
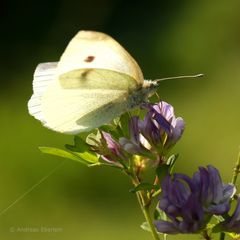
x=145 y=209
x=236 y=171
x=222 y=236
x=205 y=235
x=144 y=203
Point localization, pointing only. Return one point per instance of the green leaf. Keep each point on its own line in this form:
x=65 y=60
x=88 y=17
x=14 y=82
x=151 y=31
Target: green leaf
x=114 y=130
x=124 y=122
x=107 y=128
x=219 y=218
x=82 y=150
x=159 y=214
x=93 y=139
x=217 y=228
x=167 y=168
x=145 y=227
x=162 y=171
x=80 y=145
x=171 y=161
x=234 y=235
x=87 y=156
x=62 y=153
x=143 y=186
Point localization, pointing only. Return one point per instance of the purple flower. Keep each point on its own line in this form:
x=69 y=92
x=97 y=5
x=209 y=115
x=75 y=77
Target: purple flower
x=189 y=203
x=148 y=138
x=213 y=194
x=181 y=205
x=159 y=129
x=136 y=144
x=160 y=126
x=232 y=224
x=150 y=130
x=110 y=150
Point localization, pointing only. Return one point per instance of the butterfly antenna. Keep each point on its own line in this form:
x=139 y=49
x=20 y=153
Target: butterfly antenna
x=178 y=77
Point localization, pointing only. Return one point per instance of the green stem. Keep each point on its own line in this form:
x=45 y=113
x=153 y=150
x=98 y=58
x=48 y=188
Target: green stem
x=236 y=170
x=144 y=203
x=205 y=235
x=145 y=209
x=222 y=236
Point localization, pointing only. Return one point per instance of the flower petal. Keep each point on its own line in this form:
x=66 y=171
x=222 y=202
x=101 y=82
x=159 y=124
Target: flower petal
x=163 y=122
x=216 y=181
x=219 y=209
x=129 y=146
x=178 y=128
x=193 y=211
x=205 y=194
x=228 y=191
x=164 y=109
x=166 y=227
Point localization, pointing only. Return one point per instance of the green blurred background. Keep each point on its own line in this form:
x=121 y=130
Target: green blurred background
x=167 y=38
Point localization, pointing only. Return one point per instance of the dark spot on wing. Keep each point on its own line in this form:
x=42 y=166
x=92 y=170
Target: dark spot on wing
x=89 y=59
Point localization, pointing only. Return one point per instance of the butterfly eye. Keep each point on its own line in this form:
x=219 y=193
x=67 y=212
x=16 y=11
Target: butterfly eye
x=89 y=59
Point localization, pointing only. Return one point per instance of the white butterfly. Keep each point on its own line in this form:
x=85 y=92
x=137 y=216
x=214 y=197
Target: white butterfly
x=95 y=81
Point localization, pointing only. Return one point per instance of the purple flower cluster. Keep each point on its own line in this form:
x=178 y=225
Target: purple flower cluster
x=159 y=130
x=189 y=203
x=156 y=133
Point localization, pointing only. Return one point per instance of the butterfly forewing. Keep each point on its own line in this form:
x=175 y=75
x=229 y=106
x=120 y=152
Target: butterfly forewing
x=97 y=50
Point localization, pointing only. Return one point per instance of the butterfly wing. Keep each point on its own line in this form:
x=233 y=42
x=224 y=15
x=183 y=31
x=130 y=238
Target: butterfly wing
x=95 y=50
x=88 y=87
x=44 y=74
x=74 y=109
